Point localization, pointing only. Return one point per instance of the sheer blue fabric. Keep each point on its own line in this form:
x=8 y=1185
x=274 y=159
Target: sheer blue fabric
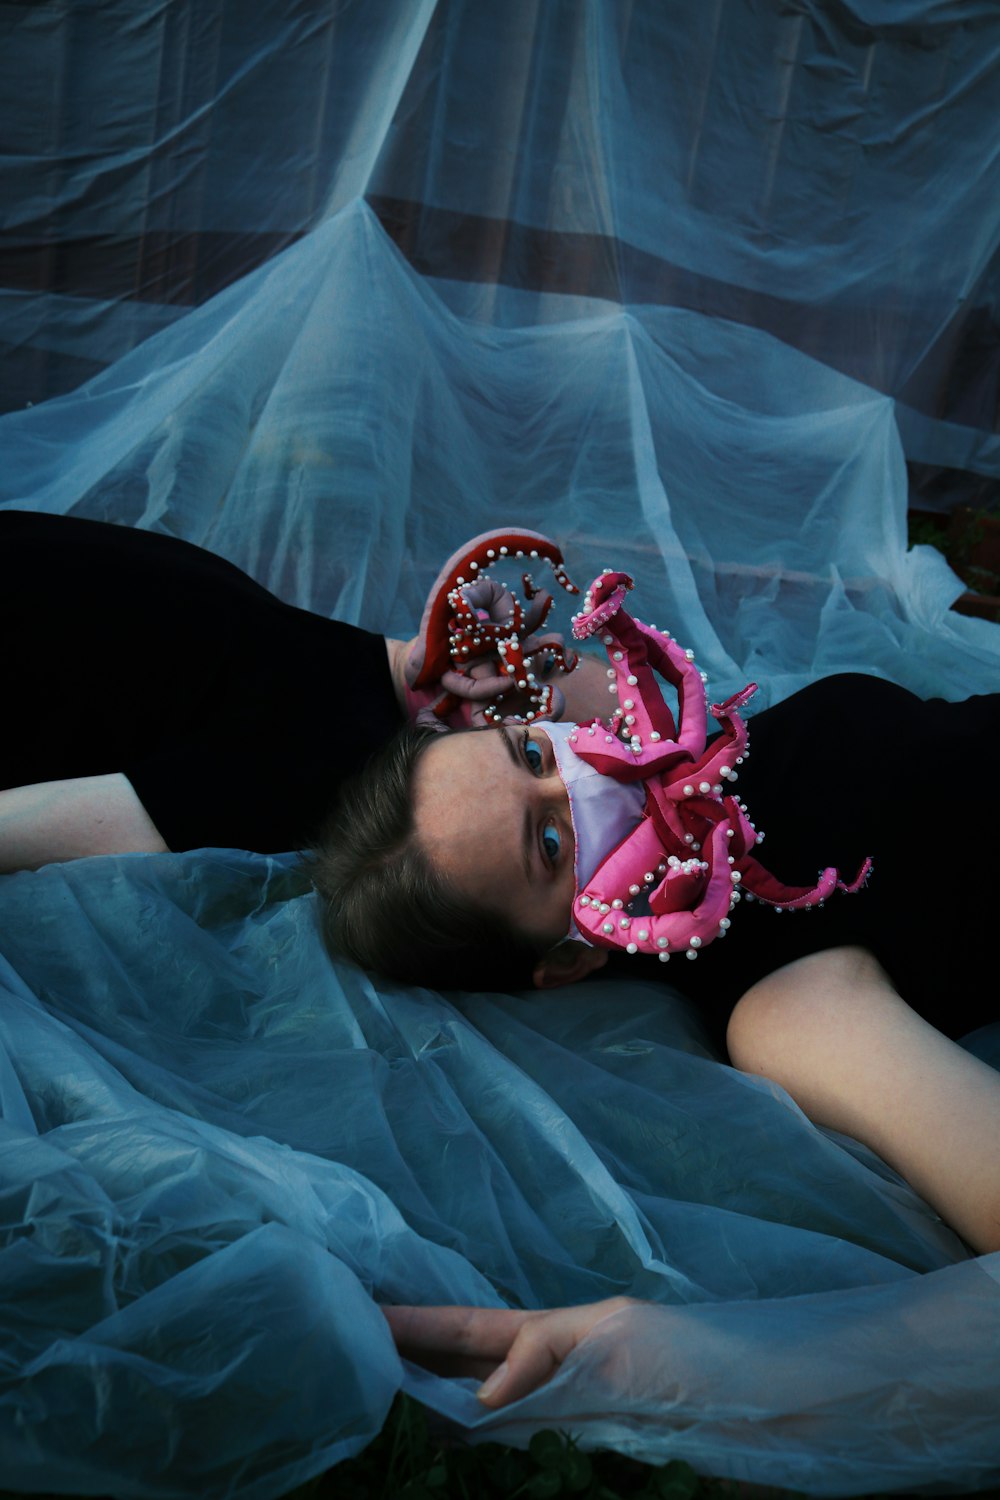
x=700 y=291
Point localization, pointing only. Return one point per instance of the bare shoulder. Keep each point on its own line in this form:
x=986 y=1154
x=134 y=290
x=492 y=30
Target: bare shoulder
x=833 y=1032
x=809 y=999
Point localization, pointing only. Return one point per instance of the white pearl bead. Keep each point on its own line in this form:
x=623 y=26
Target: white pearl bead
x=691 y=953
x=629 y=703
x=608 y=640
x=584 y=900
x=690 y=655
x=725 y=924
x=704 y=786
x=608 y=927
x=625 y=923
x=633 y=890
x=648 y=877
x=617 y=904
x=655 y=735
x=631 y=948
x=689 y=790
x=616 y=656
x=662 y=942
x=632 y=681
x=663 y=957
x=643 y=934
x=605 y=908
x=694 y=942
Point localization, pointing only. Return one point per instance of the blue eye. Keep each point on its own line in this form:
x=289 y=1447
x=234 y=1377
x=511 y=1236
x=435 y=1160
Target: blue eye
x=533 y=754
x=551 y=842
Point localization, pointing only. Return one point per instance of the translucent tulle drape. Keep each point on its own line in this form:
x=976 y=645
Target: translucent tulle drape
x=702 y=291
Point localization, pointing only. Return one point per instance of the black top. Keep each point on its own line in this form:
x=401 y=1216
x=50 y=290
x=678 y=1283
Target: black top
x=854 y=766
x=234 y=716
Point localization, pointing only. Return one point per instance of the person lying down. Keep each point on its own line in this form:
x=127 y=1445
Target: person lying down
x=536 y=853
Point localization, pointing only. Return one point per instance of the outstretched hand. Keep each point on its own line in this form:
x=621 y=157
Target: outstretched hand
x=516 y=1352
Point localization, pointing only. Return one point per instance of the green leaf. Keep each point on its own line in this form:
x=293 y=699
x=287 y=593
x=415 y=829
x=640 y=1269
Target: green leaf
x=577 y=1471
x=544 y=1485
x=676 y=1481
x=547 y=1449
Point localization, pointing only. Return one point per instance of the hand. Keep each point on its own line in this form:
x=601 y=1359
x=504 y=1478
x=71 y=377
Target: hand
x=516 y=1351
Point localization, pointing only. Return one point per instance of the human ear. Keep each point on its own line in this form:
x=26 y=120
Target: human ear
x=566 y=963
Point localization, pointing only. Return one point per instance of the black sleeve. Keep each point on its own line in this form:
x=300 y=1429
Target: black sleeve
x=264 y=772
x=235 y=716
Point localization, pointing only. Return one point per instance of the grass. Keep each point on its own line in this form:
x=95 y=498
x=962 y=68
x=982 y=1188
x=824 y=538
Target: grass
x=409 y=1460
x=967 y=538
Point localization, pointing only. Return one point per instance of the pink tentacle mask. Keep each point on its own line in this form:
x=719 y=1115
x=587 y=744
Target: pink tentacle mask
x=664 y=847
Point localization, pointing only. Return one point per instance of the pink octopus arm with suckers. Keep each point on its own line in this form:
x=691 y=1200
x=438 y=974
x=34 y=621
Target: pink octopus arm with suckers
x=692 y=852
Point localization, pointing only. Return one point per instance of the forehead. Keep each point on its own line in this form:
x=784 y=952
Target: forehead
x=454 y=768
x=465 y=791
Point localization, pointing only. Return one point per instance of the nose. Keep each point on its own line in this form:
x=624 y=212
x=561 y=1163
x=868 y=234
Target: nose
x=552 y=797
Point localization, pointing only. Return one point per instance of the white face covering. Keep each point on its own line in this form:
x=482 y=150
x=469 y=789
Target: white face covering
x=602 y=809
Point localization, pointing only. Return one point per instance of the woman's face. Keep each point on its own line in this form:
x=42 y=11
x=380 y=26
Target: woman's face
x=492 y=815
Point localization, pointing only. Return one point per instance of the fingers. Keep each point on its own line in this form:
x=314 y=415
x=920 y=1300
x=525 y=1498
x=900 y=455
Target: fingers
x=536 y=1353
x=483 y=1332
x=526 y=1348
x=529 y=1346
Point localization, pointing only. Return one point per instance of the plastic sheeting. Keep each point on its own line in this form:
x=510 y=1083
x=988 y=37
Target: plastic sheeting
x=218 y=1150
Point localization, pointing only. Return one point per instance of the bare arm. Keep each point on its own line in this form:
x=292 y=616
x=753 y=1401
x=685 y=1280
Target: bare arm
x=57 y=820
x=831 y=1030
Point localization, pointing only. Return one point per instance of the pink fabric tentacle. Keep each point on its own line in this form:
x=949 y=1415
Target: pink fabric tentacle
x=685 y=928
x=692 y=852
